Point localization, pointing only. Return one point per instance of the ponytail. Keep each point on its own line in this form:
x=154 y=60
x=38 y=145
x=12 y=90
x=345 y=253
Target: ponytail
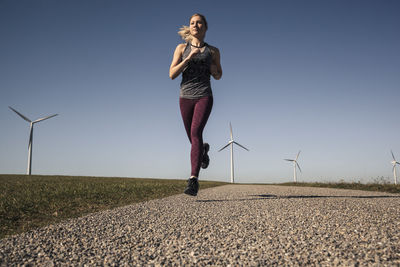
x=184 y=32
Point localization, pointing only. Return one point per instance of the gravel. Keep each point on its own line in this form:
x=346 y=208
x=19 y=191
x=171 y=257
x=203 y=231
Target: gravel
x=248 y=225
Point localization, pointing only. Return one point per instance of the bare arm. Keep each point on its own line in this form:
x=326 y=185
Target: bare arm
x=177 y=64
x=216 y=69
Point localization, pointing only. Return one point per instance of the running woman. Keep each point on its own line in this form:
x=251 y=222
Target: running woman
x=196 y=60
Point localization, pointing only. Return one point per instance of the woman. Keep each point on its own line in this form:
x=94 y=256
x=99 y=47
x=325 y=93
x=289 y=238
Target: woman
x=196 y=60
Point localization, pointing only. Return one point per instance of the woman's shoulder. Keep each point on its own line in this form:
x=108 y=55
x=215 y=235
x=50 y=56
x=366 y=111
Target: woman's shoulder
x=211 y=46
x=181 y=46
x=213 y=49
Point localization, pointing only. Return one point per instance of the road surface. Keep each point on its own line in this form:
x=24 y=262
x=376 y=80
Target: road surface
x=234 y=225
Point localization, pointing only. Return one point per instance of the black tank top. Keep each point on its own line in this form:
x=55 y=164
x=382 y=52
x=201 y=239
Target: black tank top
x=196 y=76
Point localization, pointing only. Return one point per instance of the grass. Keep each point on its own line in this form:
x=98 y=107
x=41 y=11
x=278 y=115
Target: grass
x=28 y=202
x=376 y=186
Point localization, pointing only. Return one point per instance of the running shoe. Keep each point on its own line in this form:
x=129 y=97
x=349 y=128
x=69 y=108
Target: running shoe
x=192 y=187
x=206 y=159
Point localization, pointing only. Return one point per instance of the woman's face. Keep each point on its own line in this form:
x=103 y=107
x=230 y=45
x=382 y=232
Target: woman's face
x=197 y=27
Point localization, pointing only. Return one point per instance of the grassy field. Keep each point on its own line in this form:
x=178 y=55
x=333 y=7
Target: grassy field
x=28 y=202
x=380 y=187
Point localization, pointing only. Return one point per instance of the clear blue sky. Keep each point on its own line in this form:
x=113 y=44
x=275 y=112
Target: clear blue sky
x=322 y=77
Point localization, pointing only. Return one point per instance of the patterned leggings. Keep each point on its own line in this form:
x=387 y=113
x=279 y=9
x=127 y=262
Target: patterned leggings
x=195 y=113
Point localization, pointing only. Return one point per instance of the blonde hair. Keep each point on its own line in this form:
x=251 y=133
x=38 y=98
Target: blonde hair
x=184 y=31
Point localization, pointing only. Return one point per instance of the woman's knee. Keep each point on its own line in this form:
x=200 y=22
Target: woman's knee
x=196 y=132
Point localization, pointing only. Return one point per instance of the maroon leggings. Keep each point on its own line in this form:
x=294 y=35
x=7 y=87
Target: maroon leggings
x=195 y=113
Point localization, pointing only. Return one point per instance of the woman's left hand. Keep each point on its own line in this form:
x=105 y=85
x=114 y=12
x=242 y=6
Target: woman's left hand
x=215 y=67
x=213 y=70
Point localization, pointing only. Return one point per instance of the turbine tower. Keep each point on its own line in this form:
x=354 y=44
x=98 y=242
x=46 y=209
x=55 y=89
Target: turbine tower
x=394 y=162
x=29 y=169
x=294 y=166
x=230 y=143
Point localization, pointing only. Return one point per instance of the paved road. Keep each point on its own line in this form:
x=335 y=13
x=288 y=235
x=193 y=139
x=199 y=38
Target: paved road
x=229 y=225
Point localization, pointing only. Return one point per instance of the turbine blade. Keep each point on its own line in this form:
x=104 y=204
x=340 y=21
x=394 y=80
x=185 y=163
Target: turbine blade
x=298 y=154
x=392 y=155
x=230 y=126
x=298 y=166
x=240 y=145
x=22 y=116
x=45 y=118
x=289 y=159
x=224 y=147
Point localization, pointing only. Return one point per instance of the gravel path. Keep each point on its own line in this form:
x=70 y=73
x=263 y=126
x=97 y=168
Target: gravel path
x=229 y=225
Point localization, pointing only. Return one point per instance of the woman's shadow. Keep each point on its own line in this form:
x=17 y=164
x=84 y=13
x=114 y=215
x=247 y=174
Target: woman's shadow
x=269 y=196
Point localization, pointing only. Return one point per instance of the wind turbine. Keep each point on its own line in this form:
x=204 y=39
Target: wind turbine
x=394 y=162
x=230 y=143
x=29 y=169
x=294 y=166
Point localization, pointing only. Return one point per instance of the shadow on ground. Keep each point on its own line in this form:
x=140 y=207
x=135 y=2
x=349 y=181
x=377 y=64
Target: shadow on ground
x=268 y=196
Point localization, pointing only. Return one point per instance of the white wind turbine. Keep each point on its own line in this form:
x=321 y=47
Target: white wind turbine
x=29 y=169
x=294 y=166
x=394 y=162
x=230 y=143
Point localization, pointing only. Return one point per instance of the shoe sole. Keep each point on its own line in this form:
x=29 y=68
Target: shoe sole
x=189 y=194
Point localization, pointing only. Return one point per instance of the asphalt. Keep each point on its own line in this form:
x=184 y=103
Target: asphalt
x=237 y=225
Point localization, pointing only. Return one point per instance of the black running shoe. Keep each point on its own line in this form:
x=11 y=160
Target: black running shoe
x=192 y=187
x=206 y=159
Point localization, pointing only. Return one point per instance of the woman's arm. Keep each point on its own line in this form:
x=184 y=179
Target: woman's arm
x=177 y=64
x=215 y=68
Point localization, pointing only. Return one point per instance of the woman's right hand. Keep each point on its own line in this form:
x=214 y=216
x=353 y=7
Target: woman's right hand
x=194 y=51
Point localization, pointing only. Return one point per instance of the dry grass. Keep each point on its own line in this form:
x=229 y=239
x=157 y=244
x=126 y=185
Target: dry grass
x=28 y=202
x=380 y=187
